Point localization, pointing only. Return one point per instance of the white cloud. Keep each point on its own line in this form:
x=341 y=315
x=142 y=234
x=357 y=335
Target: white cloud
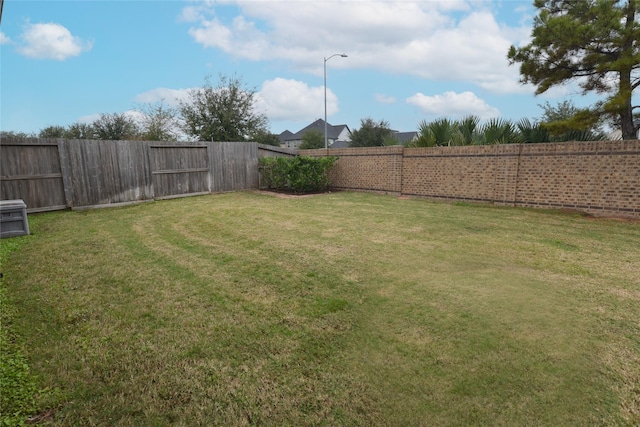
x=190 y=14
x=241 y=38
x=455 y=105
x=171 y=97
x=278 y=99
x=50 y=41
x=89 y=118
x=4 y=39
x=283 y=99
x=443 y=40
x=384 y=99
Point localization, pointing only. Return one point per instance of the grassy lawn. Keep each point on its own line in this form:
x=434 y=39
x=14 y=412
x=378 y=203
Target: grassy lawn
x=335 y=309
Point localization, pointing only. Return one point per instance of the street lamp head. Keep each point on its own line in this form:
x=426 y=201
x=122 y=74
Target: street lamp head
x=343 y=55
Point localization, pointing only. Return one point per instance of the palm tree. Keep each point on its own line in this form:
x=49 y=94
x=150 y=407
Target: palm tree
x=443 y=131
x=533 y=132
x=467 y=128
x=425 y=137
x=499 y=131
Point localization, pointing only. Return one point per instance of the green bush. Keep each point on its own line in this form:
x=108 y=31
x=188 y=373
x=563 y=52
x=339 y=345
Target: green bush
x=301 y=174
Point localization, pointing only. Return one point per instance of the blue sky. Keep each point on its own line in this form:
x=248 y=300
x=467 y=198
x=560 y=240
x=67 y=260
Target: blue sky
x=68 y=61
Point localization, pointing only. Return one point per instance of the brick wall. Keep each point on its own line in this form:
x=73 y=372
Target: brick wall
x=599 y=177
x=376 y=169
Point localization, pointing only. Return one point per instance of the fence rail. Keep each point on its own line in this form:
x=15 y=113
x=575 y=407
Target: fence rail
x=49 y=174
x=52 y=174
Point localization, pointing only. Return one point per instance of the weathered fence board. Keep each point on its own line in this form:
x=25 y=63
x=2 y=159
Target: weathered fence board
x=233 y=166
x=272 y=151
x=179 y=169
x=57 y=173
x=104 y=172
x=31 y=171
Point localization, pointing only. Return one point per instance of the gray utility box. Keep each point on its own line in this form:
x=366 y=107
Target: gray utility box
x=13 y=218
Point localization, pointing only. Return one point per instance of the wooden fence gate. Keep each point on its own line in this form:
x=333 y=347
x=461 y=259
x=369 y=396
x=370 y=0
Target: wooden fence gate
x=179 y=169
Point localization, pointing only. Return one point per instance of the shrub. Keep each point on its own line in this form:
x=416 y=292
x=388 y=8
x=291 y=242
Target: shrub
x=301 y=174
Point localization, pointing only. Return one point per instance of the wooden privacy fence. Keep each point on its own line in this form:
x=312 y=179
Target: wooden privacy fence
x=51 y=174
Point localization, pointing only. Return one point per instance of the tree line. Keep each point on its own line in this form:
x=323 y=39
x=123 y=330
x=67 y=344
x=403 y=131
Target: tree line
x=222 y=112
x=556 y=124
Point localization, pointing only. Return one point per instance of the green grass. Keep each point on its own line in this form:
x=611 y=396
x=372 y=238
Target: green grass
x=17 y=384
x=336 y=309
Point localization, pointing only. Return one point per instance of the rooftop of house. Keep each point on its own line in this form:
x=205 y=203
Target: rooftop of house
x=405 y=137
x=333 y=131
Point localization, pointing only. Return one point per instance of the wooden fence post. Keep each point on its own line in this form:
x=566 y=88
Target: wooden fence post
x=65 y=168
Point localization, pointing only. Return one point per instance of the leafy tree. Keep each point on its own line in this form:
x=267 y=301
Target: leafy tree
x=158 y=122
x=372 y=134
x=52 y=132
x=392 y=140
x=223 y=113
x=267 y=138
x=80 y=131
x=566 y=122
x=555 y=113
x=116 y=126
x=311 y=140
x=13 y=134
x=596 y=43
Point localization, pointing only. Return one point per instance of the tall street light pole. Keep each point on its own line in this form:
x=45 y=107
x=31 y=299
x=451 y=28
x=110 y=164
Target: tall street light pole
x=325 y=94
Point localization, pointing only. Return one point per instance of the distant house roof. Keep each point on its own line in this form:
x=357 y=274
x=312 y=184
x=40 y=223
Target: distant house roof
x=333 y=132
x=405 y=137
x=284 y=136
